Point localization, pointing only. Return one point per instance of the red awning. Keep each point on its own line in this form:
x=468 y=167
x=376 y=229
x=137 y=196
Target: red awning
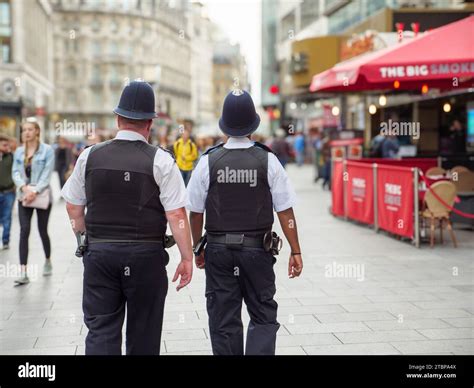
x=441 y=58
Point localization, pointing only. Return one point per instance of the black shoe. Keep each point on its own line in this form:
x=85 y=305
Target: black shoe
x=6 y=246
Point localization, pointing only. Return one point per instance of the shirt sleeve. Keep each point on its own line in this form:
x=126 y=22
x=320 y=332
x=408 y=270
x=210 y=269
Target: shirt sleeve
x=74 y=190
x=167 y=176
x=283 y=194
x=198 y=186
x=17 y=167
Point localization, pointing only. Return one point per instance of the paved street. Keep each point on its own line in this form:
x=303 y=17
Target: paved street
x=360 y=292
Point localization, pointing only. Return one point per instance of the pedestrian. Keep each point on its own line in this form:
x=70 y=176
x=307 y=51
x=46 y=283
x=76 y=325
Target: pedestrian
x=280 y=147
x=299 y=147
x=63 y=159
x=7 y=189
x=238 y=185
x=131 y=190
x=186 y=153
x=318 y=162
x=376 y=145
x=33 y=165
x=326 y=157
x=390 y=147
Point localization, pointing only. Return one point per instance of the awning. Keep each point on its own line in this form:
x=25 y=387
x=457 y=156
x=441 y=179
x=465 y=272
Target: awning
x=441 y=58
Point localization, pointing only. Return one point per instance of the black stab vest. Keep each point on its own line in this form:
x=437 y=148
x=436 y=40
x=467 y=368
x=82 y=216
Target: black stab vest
x=239 y=197
x=123 y=199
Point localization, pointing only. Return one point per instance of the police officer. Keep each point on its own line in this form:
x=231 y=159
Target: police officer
x=131 y=190
x=238 y=185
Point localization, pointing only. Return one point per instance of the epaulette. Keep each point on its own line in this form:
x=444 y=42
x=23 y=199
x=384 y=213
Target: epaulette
x=212 y=149
x=263 y=147
x=168 y=151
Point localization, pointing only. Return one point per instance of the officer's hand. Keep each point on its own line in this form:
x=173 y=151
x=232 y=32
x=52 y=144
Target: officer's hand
x=200 y=261
x=295 y=266
x=185 y=270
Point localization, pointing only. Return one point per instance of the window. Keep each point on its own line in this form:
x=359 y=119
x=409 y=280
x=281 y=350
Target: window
x=309 y=12
x=288 y=27
x=71 y=99
x=71 y=73
x=114 y=74
x=96 y=48
x=5 y=18
x=5 y=31
x=113 y=48
x=96 y=76
x=95 y=25
x=113 y=26
x=97 y=98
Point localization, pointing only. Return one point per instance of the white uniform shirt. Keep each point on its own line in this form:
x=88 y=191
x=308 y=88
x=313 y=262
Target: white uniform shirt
x=283 y=195
x=165 y=171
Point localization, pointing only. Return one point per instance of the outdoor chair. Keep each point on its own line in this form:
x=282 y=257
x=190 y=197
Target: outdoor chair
x=436 y=212
x=435 y=171
x=459 y=169
x=464 y=181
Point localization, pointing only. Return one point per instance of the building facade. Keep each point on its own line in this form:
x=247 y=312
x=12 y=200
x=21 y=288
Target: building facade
x=99 y=46
x=229 y=72
x=26 y=68
x=202 y=50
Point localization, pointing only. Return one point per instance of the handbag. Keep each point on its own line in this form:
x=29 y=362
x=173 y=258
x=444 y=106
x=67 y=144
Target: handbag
x=41 y=201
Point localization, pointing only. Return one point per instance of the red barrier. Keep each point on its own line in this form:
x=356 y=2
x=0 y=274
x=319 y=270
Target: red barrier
x=422 y=163
x=337 y=188
x=360 y=192
x=395 y=204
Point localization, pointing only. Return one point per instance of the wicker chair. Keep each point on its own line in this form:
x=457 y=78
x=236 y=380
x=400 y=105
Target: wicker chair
x=464 y=181
x=436 y=212
x=435 y=171
x=458 y=169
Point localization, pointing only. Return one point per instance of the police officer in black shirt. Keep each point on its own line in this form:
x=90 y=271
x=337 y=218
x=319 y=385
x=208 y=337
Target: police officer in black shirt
x=131 y=190
x=238 y=185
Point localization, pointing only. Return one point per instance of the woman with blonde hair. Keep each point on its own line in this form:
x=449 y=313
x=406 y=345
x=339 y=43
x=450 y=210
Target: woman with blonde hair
x=33 y=165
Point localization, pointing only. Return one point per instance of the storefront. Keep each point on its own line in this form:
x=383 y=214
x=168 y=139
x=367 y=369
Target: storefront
x=416 y=84
x=10 y=118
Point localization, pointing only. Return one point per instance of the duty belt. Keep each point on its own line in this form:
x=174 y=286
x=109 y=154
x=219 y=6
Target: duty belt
x=236 y=240
x=92 y=240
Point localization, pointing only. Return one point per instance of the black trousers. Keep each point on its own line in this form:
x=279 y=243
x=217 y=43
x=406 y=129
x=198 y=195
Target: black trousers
x=62 y=169
x=25 y=214
x=233 y=276
x=119 y=276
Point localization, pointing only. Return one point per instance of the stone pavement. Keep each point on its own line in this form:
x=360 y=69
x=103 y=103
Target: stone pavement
x=360 y=292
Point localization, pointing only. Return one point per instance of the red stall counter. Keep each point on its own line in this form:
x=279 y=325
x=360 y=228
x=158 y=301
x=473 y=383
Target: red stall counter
x=395 y=204
x=360 y=192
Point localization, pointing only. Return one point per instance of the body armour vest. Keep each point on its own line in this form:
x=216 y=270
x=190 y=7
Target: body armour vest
x=239 y=197
x=123 y=199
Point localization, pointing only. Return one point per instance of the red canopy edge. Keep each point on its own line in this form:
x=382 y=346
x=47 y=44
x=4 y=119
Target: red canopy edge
x=437 y=58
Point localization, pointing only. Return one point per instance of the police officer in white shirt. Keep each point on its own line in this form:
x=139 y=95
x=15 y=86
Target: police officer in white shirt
x=131 y=190
x=238 y=185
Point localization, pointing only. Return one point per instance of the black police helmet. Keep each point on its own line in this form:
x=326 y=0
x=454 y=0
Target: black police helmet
x=239 y=117
x=137 y=101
